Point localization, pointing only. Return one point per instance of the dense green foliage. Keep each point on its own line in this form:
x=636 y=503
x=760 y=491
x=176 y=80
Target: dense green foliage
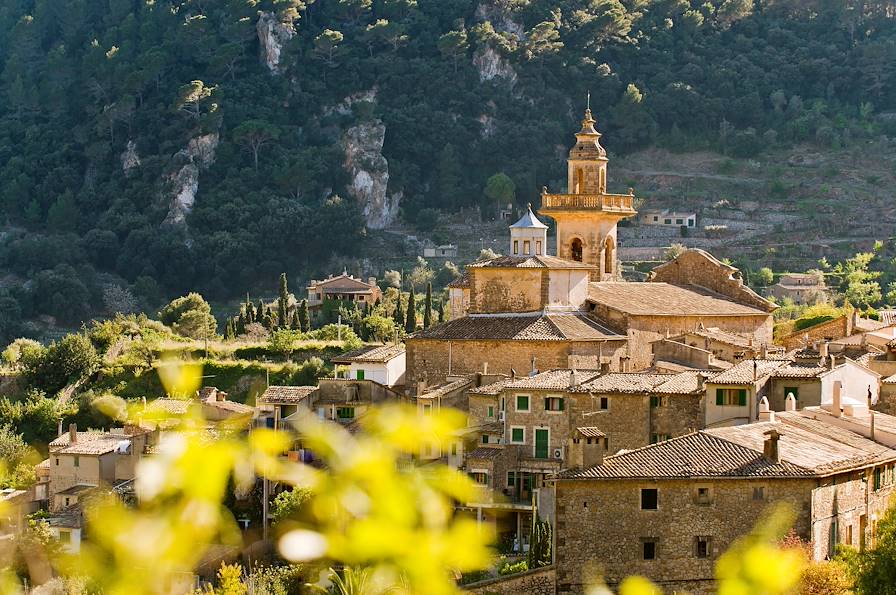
x=80 y=80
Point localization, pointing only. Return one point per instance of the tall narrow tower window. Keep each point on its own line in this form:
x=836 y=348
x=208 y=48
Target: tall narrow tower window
x=580 y=181
x=575 y=250
x=603 y=181
x=609 y=256
x=516 y=247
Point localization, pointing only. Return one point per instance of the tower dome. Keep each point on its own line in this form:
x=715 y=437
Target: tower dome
x=528 y=236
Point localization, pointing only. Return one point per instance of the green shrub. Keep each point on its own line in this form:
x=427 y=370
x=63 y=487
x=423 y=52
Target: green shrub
x=513 y=567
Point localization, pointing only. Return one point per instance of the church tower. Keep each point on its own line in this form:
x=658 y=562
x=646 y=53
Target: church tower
x=587 y=216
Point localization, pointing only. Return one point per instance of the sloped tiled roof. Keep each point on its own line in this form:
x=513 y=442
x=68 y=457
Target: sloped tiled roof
x=484 y=452
x=462 y=282
x=552 y=380
x=530 y=262
x=807 y=448
x=170 y=406
x=445 y=388
x=743 y=373
x=623 y=382
x=590 y=432
x=521 y=327
x=717 y=334
x=684 y=383
x=664 y=299
x=370 y=354
x=286 y=395
x=491 y=389
x=889 y=379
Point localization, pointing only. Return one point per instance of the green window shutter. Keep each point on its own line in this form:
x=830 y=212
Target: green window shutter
x=547 y=404
x=562 y=404
x=720 y=397
x=516 y=435
x=742 y=397
x=485 y=438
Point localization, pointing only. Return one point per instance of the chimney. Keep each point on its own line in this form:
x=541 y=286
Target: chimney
x=835 y=398
x=790 y=402
x=605 y=367
x=763 y=351
x=755 y=370
x=72 y=433
x=484 y=368
x=59 y=427
x=823 y=349
x=623 y=361
x=572 y=379
x=770 y=448
x=701 y=381
x=832 y=362
x=765 y=414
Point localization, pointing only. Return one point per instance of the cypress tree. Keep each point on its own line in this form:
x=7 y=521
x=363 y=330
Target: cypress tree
x=260 y=312
x=250 y=313
x=241 y=324
x=398 y=314
x=229 y=333
x=304 y=317
x=427 y=307
x=295 y=325
x=442 y=311
x=410 y=324
x=283 y=303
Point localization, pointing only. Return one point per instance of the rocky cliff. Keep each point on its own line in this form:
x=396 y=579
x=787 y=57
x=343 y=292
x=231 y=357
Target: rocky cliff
x=369 y=173
x=182 y=182
x=272 y=35
x=491 y=65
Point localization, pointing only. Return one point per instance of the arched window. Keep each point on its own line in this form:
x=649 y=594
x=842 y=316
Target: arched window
x=575 y=249
x=580 y=180
x=609 y=256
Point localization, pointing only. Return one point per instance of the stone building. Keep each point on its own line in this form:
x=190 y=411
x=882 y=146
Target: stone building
x=802 y=288
x=667 y=511
x=343 y=287
x=532 y=310
x=587 y=215
x=381 y=363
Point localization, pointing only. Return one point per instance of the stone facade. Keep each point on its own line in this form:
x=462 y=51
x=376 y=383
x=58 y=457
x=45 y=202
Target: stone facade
x=427 y=359
x=612 y=511
x=534 y=582
x=832 y=329
x=506 y=290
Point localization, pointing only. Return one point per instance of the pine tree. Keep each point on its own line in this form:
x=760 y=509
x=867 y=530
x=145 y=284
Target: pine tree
x=283 y=303
x=427 y=307
x=304 y=317
x=410 y=324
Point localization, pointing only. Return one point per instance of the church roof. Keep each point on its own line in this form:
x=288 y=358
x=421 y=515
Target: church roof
x=529 y=220
x=664 y=299
x=530 y=262
x=521 y=327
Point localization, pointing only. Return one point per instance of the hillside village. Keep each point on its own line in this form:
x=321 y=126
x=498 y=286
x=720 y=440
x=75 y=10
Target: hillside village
x=653 y=413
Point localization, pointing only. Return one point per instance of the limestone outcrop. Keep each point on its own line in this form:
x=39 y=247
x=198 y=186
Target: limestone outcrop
x=130 y=160
x=491 y=65
x=182 y=182
x=272 y=36
x=369 y=173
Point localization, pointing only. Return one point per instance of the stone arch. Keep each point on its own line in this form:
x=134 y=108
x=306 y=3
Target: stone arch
x=576 y=250
x=609 y=255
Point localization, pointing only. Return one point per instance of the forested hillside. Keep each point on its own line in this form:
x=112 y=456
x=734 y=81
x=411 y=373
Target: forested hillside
x=150 y=147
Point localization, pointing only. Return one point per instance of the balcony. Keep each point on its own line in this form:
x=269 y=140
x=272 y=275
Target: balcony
x=611 y=203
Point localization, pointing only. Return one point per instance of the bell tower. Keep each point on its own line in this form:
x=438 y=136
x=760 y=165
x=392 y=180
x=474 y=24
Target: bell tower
x=587 y=215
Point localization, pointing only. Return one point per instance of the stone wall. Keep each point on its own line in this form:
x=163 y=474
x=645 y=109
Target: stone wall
x=644 y=330
x=833 y=329
x=427 y=359
x=886 y=403
x=534 y=582
x=611 y=509
x=506 y=290
x=839 y=508
x=675 y=351
x=697 y=267
x=676 y=415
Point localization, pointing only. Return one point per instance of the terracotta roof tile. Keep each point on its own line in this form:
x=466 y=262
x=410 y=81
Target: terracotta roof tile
x=664 y=299
x=286 y=395
x=462 y=282
x=492 y=389
x=743 y=373
x=521 y=327
x=623 y=382
x=551 y=380
x=530 y=262
x=443 y=389
x=485 y=453
x=371 y=354
x=590 y=432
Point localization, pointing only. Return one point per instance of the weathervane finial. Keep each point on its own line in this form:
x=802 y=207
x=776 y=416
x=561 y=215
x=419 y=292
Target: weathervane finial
x=588 y=101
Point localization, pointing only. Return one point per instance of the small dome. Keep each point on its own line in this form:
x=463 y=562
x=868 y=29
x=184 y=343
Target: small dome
x=529 y=220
